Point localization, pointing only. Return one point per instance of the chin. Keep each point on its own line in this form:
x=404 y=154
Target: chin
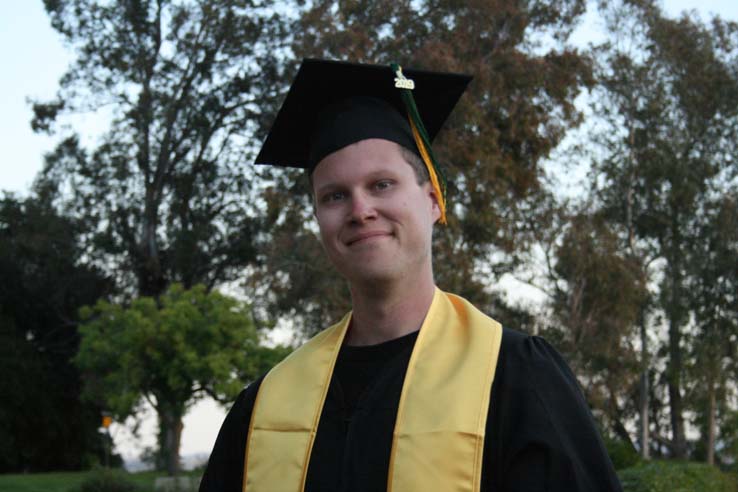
x=368 y=275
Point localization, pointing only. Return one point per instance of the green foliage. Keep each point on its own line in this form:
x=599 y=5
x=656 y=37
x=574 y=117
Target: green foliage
x=674 y=476
x=622 y=453
x=669 y=136
x=597 y=298
x=44 y=425
x=42 y=482
x=604 y=293
x=193 y=343
x=72 y=481
x=164 y=192
x=107 y=480
x=196 y=342
x=712 y=365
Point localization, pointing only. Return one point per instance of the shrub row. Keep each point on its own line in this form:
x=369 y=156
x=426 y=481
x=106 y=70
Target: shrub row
x=674 y=476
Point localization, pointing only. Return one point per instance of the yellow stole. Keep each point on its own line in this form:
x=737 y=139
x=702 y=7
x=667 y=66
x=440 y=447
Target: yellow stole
x=439 y=433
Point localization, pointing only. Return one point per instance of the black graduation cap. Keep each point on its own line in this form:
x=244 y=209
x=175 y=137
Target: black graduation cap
x=323 y=86
x=333 y=104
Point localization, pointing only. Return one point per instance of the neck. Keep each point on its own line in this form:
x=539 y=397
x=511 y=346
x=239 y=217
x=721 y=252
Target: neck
x=385 y=312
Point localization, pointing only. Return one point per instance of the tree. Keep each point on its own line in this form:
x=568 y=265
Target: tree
x=43 y=425
x=597 y=297
x=194 y=344
x=516 y=111
x=714 y=283
x=164 y=194
x=670 y=125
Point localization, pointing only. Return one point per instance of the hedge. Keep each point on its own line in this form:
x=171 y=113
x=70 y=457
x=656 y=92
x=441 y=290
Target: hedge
x=676 y=476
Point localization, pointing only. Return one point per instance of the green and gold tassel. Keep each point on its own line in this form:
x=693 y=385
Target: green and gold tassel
x=437 y=176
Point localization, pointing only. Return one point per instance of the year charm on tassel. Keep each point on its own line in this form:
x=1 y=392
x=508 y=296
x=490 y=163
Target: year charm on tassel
x=403 y=83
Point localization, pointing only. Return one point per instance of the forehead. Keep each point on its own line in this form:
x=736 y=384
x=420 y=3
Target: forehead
x=363 y=158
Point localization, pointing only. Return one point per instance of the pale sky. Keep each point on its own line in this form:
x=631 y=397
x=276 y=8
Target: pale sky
x=33 y=58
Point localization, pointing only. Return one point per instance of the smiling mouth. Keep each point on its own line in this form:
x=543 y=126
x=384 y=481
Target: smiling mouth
x=365 y=237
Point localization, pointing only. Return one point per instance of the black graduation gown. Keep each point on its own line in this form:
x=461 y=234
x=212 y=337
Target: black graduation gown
x=540 y=433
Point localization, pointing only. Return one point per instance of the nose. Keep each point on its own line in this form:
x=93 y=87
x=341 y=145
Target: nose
x=362 y=209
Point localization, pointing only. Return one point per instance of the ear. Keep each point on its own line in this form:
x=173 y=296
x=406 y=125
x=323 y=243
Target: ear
x=436 y=208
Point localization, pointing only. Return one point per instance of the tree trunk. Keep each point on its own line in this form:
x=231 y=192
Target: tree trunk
x=170 y=436
x=645 y=442
x=675 y=315
x=619 y=428
x=679 y=442
x=654 y=412
x=151 y=276
x=711 y=422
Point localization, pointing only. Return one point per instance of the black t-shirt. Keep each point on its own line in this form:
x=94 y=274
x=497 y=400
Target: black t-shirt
x=358 y=366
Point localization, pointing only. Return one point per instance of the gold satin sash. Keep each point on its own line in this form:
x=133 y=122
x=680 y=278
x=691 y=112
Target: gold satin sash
x=439 y=433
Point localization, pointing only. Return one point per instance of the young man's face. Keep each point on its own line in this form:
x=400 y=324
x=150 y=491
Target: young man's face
x=375 y=220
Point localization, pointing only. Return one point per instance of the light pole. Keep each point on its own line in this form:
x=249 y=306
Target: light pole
x=107 y=419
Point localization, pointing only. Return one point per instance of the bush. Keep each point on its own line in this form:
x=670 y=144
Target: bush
x=674 y=476
x=621 y=453
x=107 y=480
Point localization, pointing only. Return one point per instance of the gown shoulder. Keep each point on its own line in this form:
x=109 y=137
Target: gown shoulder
x=540 y=432
x=224 y=472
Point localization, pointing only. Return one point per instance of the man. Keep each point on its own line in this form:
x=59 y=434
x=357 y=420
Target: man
x=415 y=389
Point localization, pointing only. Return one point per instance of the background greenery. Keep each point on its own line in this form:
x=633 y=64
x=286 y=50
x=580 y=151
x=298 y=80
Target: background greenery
x=73 y=481
x=668 y=476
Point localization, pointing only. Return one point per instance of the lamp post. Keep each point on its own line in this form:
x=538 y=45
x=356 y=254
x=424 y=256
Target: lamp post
x=107 y=419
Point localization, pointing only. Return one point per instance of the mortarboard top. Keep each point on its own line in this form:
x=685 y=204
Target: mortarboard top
x=321 y=83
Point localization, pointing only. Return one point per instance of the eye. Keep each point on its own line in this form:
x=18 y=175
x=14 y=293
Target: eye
x=333 y=196
x=383 y=184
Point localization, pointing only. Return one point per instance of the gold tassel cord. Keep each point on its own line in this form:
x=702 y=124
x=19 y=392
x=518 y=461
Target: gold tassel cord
x=431 y=171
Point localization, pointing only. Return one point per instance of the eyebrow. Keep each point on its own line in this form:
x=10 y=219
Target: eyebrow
x=374 y=175
x=327 y=187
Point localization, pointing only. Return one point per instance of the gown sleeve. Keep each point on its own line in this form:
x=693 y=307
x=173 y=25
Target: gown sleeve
x=224 y=472
x=541 y=435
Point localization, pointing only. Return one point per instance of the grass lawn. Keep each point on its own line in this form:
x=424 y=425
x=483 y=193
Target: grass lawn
x=65 y=481
x=38 y=482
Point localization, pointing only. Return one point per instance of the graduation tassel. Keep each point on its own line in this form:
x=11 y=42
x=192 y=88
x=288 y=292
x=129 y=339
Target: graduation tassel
x=437 y=176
